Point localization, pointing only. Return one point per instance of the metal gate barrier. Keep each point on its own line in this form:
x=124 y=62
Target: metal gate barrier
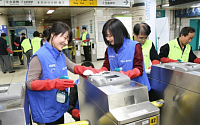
x=93 y=50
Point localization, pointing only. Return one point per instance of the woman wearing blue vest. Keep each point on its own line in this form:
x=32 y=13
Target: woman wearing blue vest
x=43 y=82
x=123 y=52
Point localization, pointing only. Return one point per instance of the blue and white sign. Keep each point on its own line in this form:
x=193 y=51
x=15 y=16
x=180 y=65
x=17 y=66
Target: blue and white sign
x=3 y=29
x=188 y=12
x=20 y=30
x=30 y=32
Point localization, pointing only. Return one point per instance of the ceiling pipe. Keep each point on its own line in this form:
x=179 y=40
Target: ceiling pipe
x=161 y=4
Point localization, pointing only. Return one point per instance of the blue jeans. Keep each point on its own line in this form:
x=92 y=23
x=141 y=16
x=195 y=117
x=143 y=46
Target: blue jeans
x=66 y=52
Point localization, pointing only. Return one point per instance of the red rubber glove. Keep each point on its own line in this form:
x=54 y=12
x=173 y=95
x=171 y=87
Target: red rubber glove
x=76 y=113
x=9 y=51
x=86 y=40
x=167 y=60
x=77 y=38
x=16 y=44
x=154 y=62
x=197 y=60
x=98 y=70
x=132 y=73
x=80 y=69
x=59 y=84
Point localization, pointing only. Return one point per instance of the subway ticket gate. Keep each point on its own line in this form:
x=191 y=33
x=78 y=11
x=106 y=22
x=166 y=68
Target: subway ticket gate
x=112 y=99
x=77 y=51
x=178 y=84
x=23 y=58
x=93 y=49
x=12 y=104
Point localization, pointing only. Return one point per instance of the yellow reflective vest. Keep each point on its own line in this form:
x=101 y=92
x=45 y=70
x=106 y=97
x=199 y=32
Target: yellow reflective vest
x=36 y=43
x=26 y=45
x=146 y=47
x=65 y=47
x=87 y=43
x=175 y=52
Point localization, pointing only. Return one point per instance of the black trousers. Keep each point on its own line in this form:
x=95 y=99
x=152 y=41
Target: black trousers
x=87 y=54
x=59 y=121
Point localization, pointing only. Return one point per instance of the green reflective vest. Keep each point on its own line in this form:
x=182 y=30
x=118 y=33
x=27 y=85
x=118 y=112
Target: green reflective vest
x=36 y=43
x=175 y=52
x=87 y=43
x=26 y=45
x=146 y=47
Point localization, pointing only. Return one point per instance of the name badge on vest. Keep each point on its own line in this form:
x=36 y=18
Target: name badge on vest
x=52 y=67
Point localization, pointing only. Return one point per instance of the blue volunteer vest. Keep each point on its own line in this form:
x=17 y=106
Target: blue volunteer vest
x=125 y=59
x=44 y=107
x=77 y=102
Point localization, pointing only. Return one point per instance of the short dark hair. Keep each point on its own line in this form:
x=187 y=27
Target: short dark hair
x=36 y=34
x=3 y=34
x=186 y=30
x=87 y=64
x=84 y=28
x=46 y=31
x=23 y=38
x=118 y=30
x=60 y=27
x=142 y=28
x=23 y=34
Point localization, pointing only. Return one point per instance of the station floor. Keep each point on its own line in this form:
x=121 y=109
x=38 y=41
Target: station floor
x=20 y=74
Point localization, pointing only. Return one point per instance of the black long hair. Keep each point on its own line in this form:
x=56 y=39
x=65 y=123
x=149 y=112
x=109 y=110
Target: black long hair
x=60 y=27
x=118 y=30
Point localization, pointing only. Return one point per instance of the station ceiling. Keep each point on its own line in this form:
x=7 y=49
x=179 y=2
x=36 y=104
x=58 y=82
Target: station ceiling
x=62 y=13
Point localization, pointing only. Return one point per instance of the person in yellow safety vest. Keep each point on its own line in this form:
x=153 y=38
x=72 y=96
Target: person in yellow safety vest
x=65 y=50
x=179 y=50
x=86 y=44
x=26 y=44
x=141 y=32
x=36 y=41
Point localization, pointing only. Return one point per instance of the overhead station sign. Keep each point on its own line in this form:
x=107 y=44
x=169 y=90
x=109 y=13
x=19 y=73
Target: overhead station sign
x=46 y=3
x=83 y=2
x=114 y=3
x=36 y=2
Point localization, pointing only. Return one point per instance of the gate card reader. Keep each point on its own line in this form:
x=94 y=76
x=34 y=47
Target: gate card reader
x=108 y=78
x=125 y=102
x=182 y=66
x=12 y=110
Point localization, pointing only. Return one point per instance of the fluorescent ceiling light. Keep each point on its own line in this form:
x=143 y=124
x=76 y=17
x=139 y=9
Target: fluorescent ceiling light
x=50 y=11
x=165 y=5
x=196 y=5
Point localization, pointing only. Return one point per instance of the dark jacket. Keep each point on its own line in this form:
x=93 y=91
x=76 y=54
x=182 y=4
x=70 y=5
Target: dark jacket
x=3 y=46
x=18 y=41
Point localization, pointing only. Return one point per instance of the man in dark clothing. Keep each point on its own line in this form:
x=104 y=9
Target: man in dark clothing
x=86 y=44
x=17 y=42
x=4 y=57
